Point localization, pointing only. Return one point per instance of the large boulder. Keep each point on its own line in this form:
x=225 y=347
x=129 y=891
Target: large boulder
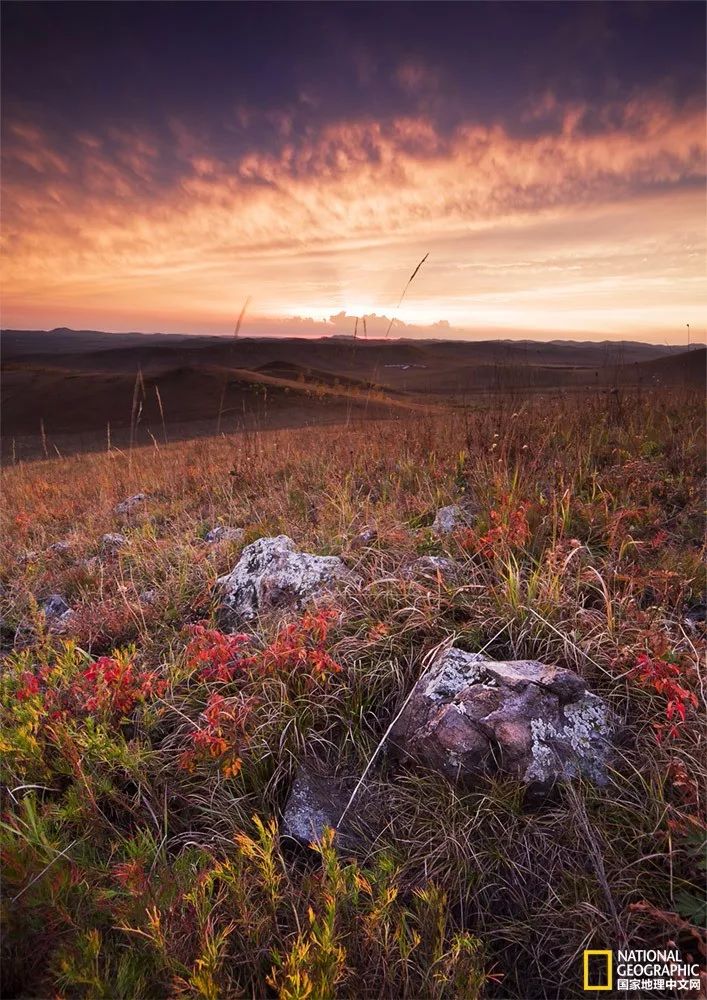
x=468 y=717
x=272 y=574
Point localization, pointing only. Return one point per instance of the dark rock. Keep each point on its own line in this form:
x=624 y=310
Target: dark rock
x=317 y=801
x=54 y=606
x=695 y=615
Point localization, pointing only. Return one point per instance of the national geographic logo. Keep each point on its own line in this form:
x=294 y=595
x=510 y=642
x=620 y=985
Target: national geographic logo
x=640 y=970
x=598 y=970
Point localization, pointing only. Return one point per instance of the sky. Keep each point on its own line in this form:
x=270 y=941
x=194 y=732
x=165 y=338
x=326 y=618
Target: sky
x=165 y=163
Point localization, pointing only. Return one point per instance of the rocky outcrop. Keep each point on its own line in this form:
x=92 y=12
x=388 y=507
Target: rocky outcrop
x=272 y=574
x=469 y=717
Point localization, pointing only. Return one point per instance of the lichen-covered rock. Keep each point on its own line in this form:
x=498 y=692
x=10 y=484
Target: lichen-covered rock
x=126 y=506
x=469 y=717
x=224 y=533
x=448 y=519
x=271 y=574
x=112 y=541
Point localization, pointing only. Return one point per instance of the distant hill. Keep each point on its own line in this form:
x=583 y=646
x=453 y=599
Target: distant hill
x=209 y=384
x=690 y=367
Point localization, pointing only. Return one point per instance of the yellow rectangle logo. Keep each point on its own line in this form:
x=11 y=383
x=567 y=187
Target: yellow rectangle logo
x=608 y=957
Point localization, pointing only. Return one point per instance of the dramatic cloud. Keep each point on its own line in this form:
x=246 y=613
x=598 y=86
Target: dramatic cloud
x=571 y=215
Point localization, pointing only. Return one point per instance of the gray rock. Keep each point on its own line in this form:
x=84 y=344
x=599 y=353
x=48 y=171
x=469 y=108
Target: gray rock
x=431 y=567
x=469 y=717
x=365 y=537
x=57 y=613
x=448 y=519
x=317 y=801
x=125 y=506
x=224 y=533
x=147 y=597
x=112 y=541
x=54 y=606
x=60 y=548
x=272 y=574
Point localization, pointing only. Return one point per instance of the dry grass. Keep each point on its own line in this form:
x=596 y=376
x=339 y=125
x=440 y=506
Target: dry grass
x=128 y=874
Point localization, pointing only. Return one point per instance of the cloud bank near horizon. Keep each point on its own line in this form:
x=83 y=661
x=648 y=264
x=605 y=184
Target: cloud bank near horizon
x=574 y=215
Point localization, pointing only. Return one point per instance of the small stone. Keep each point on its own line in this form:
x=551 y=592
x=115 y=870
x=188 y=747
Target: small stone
x=147 y=597
x=54 y=606
x=272 y=574
x=432 y=567
x=448 y=519
x=125 y=506
x=112 y=541
x=364 y=538
x=60 y=548
x=224 y=533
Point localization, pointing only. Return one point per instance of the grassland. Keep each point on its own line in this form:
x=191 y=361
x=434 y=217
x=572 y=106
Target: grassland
x=146 y=762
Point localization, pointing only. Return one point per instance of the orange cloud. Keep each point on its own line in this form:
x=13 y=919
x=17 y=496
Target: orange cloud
x=540 y=231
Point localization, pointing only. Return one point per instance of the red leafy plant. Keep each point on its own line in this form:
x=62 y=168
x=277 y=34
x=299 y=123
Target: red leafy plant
x=220 y=735
x=665 y=676
x=509 y=529
x=298 y=650
x=108 y=688
x=298 y=646
x=215 y=655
